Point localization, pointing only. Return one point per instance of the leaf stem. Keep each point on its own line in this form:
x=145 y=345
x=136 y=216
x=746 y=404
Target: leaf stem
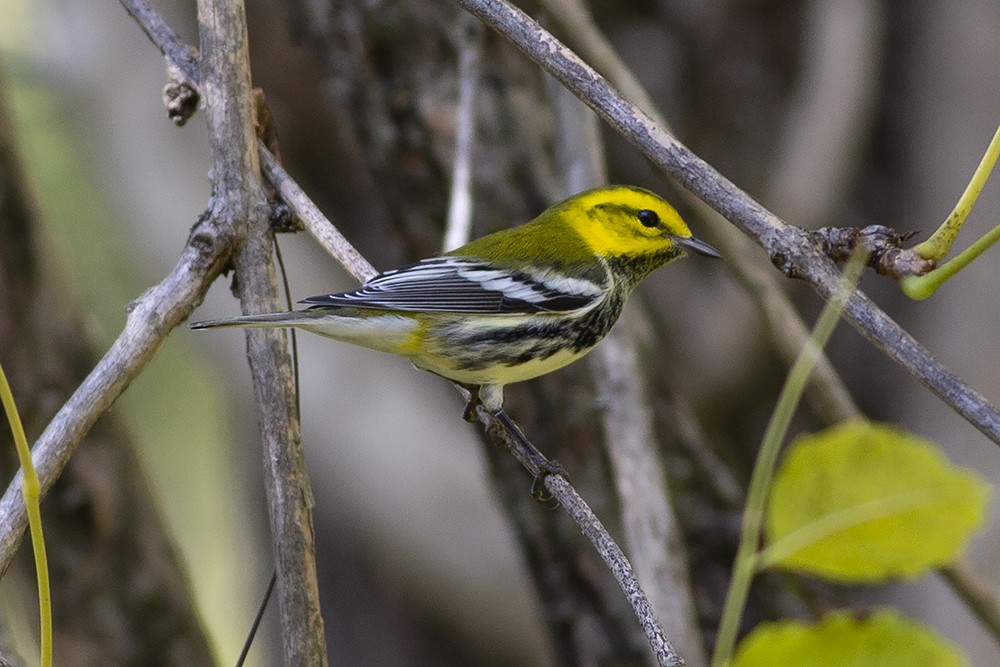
x=940 y=242
x=760 y=481
x=32 y=491
x=938 y=245
x=921 y=287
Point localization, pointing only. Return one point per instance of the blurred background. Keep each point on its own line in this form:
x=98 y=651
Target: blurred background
x=836 y=112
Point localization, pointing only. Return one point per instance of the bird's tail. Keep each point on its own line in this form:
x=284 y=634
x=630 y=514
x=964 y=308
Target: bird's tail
x=289 y=319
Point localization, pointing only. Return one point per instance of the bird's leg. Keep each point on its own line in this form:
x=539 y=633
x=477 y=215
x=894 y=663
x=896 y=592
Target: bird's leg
x=469 y=414
x=543 y=465
x=491 y=398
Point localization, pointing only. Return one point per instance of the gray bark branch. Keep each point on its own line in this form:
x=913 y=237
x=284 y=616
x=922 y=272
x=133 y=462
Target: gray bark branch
x=239 y=204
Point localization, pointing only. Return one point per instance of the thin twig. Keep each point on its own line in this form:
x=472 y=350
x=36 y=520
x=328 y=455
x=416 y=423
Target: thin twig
x=563 y=492
x=617 y=563
x=240 y=203
x=313 y=219
x=258 y=617
x=787 y=246
x=459 y=223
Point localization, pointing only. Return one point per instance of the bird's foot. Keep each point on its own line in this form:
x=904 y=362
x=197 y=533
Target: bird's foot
x=546 y=468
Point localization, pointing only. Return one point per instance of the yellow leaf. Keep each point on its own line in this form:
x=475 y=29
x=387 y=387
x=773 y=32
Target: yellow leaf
x=864 y=502
x=884 y=639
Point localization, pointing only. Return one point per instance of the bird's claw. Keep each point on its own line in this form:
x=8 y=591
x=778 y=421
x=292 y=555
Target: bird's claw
x=546 y=467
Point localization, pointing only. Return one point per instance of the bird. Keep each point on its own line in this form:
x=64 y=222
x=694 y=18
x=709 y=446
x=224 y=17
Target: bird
x=511 y=305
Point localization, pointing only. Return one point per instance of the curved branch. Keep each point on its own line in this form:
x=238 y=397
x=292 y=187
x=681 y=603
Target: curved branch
x=562 y=491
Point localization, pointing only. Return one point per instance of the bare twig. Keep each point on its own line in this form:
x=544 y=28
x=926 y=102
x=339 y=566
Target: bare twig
x=564 y=493
x=787 y=246
x=239 y=203
x=459 y=222
x=313 y=219
x=618 y=564
x=977 y=594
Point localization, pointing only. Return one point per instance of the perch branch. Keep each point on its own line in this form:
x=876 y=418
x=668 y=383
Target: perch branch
x=563 y=492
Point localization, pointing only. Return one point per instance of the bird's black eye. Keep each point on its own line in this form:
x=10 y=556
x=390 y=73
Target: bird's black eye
x=649 y=218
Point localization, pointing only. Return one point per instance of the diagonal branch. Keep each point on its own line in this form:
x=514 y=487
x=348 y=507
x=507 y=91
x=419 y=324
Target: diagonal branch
x=174 y=49
x=151 y=317
x=789 y=247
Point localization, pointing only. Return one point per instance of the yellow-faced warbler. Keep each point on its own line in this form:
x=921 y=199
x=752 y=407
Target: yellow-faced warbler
x=512 y=305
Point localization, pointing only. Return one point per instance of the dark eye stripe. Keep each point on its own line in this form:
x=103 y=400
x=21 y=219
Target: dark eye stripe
x=648 y=218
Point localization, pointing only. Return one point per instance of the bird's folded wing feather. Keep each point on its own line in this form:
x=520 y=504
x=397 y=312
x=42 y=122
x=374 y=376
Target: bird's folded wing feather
x=467 y=285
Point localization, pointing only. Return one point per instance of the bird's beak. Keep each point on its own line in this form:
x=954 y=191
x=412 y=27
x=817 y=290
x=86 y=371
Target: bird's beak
x=697 y=246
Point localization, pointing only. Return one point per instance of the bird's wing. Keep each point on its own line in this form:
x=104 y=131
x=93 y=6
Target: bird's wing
x=466 y=285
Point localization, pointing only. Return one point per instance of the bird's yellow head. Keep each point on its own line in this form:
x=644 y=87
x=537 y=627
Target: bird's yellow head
x=623 y=221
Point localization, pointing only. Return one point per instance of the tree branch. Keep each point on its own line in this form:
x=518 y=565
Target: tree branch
x=239 y=204
x=151 y=317
x=563 y=492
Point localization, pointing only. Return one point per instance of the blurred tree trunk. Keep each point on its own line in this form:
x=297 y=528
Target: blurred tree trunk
x=118 y=590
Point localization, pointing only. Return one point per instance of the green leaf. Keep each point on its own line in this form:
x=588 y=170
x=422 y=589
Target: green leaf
x=884 y=639
x=864 y=502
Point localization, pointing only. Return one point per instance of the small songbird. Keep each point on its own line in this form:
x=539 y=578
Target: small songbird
x=511 y=305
